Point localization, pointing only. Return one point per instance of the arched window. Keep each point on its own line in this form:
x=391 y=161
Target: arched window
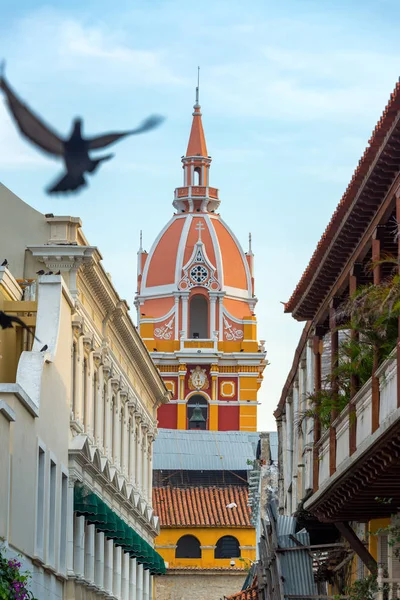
x=197 y=176
x=227 y=547
x=199 y=317
x=188 y=547
x=197 y=412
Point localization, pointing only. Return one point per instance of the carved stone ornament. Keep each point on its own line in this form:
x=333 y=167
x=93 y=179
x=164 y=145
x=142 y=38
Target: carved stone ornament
x=88 y=342
x=115 y=384
x=97 y=358
x=107 y=369
x=198 y=379
x=124 y=393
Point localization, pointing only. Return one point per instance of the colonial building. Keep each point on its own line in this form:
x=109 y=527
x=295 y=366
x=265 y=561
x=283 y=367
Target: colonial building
x=339 y=417
x=77 y=416
x=195 y=307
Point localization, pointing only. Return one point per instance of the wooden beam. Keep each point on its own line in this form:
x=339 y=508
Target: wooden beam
x=356 y=544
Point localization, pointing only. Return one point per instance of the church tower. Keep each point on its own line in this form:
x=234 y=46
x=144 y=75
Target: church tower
x=195 y=307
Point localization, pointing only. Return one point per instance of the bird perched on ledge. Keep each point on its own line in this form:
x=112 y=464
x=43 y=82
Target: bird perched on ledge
x=74 y=150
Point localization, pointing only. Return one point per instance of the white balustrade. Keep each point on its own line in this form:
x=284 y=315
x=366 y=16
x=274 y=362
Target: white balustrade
x=323 y=458
x=387 y=374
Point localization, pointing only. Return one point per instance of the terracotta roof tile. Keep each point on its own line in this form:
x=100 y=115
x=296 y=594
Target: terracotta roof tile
x=378 y=135
x=202 y=506
x=248 y=594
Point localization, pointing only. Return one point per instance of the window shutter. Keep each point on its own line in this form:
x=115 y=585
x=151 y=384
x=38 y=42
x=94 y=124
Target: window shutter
x=383 y=548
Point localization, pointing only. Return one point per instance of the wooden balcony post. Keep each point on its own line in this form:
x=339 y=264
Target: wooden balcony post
x=354 y=378
x=334 y=382
x=317 y=342
x=398 y=258
x=377 y=239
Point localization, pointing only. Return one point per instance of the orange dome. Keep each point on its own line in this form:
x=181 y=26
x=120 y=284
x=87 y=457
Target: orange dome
x=225 y=266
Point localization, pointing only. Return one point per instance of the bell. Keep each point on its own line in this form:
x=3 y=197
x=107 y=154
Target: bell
x=197 y=415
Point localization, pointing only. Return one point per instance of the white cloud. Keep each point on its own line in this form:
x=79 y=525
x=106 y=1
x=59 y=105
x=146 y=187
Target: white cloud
x=48 y=40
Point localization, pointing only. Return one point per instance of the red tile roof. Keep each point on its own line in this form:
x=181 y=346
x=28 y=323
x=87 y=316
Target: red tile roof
x=248 y=594
x=378 y=136
x=202 y=506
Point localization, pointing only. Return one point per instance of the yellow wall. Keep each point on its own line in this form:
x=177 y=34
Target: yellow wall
x=207 y=536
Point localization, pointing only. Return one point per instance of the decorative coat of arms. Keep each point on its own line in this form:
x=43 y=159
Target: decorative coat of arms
x=198 y=379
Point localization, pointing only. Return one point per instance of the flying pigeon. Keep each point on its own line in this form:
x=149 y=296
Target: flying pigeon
x=6 y=322
x=74 y=150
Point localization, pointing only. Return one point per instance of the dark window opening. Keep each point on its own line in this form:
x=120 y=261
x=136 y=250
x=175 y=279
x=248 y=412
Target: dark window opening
x=199 y=317
x=197 y=412
x=188 y=547
x=227 y=547
x=197 y=176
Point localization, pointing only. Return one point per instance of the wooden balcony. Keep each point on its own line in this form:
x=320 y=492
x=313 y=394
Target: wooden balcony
x=354 y=484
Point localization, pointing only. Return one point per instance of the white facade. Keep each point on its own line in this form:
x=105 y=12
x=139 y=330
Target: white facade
x=295 y=432
x=80 y=415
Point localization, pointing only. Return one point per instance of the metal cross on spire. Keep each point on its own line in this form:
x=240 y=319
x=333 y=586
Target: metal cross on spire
x=199 y=227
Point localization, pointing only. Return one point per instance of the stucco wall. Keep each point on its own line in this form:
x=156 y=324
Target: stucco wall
x=198 y=586
x=4 y=472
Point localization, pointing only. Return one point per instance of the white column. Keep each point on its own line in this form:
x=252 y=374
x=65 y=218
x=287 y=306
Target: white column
x=99 y=412
x=79 y=400
x=220 y=324
x=125 y=436
x=132 y=579
x=117 y=572
x=89 y=553
x=177 y=317
x=107 y=419
x=70 y=527
x=108 y=565
x=139 y=456
x=99 y=560
x=144 y=464
x=185 y=298
x=132 y=450
x=213 y=301
x=79 y=546
x=139 y=582
x=116 y=431
x=125 y=576
x=146 y=584
x=150 y=473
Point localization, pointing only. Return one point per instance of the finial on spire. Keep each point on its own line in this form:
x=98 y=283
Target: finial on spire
x=141 y=241
x=198 y=87
x=250 y=251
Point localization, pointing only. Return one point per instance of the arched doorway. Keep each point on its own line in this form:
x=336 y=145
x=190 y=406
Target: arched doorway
x=197 y=412
x=198 y=317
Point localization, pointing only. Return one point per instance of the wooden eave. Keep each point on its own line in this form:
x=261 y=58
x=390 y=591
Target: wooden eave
x=365 y=195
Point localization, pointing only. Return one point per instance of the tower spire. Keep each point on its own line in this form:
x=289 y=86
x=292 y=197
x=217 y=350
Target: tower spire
x=197 y=142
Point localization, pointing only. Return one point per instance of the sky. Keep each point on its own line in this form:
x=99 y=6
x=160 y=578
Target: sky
x=290 y=93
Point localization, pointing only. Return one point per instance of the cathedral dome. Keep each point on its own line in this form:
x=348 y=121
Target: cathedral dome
x=196 y=248
x=196 y=281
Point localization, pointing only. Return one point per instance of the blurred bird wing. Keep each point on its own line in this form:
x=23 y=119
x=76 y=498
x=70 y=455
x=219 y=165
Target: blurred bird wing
x=30 y=125
x=102 y=141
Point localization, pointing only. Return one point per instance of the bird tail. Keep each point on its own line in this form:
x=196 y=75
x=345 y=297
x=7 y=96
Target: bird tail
x=95 y=163
x=67 y=183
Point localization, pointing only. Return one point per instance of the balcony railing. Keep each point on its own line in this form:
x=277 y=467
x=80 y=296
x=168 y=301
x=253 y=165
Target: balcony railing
x=357 y=416
x=388 y=588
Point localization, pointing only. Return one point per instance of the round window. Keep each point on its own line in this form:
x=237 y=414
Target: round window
x=199 y=273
